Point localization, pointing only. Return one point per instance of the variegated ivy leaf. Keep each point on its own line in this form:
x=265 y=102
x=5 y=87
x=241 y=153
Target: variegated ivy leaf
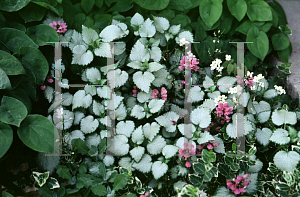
x=155 y=105
x=143 y=81
x=81 y=55
x=280 y=136
x=280 y=117
x=89 y=35
x=40 y=178
x=147 y=29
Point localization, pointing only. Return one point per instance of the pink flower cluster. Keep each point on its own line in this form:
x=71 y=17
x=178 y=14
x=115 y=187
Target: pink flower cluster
x=191 y=60
x=223 y=109
x=146 y=194
x=248 y=82
x=187 y=152
x=239 y=184
x=209 y=145
x=134 y=91
x=163 y=93
x=59 y=26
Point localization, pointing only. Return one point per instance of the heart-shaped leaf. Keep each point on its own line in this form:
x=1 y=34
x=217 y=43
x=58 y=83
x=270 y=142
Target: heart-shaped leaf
x=143 y=81
x=6 y=138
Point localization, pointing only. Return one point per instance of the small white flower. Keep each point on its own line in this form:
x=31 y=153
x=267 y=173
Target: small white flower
x=249 y=74
x=228 y=57
x=220 y=69
x=218 y=61
x=261 y=84
x=253 y=88
x=183 y=41
x=232 y=90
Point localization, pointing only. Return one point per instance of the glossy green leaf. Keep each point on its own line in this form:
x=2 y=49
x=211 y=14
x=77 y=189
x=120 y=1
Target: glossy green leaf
x=246 y=25
x=260 y=45
x=69 y=13
x=32 y=12
x=122 y=6
x=120 y=182
x=87 y=5
x=152 y=4
x=181 y=19
x=12 y=5
x=238 y=8
x=47 y=6
x=99 y=190
x=10 y=65
x=197 y=181
x=15 y=39
x=258 y=10
x=167 y=13
x=40 y=178
x=6 y=138
x=37 y=132
x=210 y=11
x=99 y=3
x=280 y=41
x=42 y=33
x=36 y=61
x=12 y=111
x=282 y=19
x=82 y=168
x=102 y=170
x=285 y=54
x=4 y=81
x=53 y=183
x=63 y=172
x=80 y=145
x=101 y=21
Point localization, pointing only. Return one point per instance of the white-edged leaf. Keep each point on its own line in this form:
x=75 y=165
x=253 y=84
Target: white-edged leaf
x=185 y=34
x=286 y=161
x=147 y=29
x=263 y=110
x=93 y=74
x=174 y=29
x=280 y=117
x=201 y=117
x=209 y=104
x=160 y=78
x=280 y=136
x=143 y=81
x=225 y=83
x=137 y=135
x=155 y=105
x=104 y=50
x=104 y=92
x=263 y=136
x=98 y=109
x=214 y=94
x=186 y=133
x=159 y=169
x=120 y=78
x=150 y=131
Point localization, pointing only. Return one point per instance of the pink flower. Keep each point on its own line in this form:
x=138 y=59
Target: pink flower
x=142 y=196
x=134 y=91
x=193 y=64
x=187 y=151
x=59 y=26
x=43 y=87
x=50 y=80
x=239 y=178
x=216 y=144
x=188 y=164
x=245 y=176
x=229 y=185
x=182 y=82
x=236 y=191
x=237 y=181
x=180 y=116
x=246 y=183
x=199 y=147
x=154 y=94
x=232 y=187
x=242 y=190
x=181 y=151
x=163 y=92
x=209 y=146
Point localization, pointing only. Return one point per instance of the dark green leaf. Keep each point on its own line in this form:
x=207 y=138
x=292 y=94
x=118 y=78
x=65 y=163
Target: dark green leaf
x=224 y=170
x=80 y=145
x=37 y=132
x=99 y=190
x=32 y=12
x=167 y=13
x=87 y=5
x=250 y=60
x=21 y=94
x=246 y=25
x=285 y=54
x=6 y=138
x=208 y=156
x=82 y=168
x=205 y=49
x=252 y=150
x=35 y=60
x=12 y=111
x=15 y=39
x=197 y=181
x=102 y=170
x=258 y=10
x=99 y=3
x=120 y=182
x=101 y=21
x=10 y=65
x=238 y=8
x=69 y=13
x=42 y=33
x=181 y=19
x=152 y=4
x=53 y=183
x=122 y=6
x=282 y=20
x=12 y=5
x=266 y=27
x=72 y=191
x=180 y=5
x=199 y=167
x=280 y=41
x=45 y=191
x=210 y=11
x=200 y=34
x=47 y=6
x=260 y=45
x=6 y=194
x=63 y=172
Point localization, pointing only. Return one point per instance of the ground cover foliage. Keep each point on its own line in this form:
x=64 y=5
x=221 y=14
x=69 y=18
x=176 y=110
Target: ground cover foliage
x=153 y=155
